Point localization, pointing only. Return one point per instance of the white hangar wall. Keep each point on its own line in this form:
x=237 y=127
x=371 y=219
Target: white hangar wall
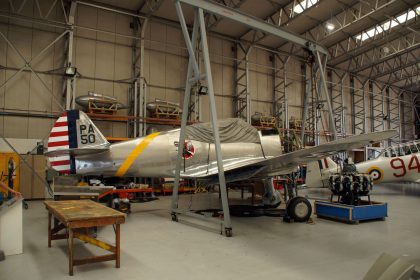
x=104 y=61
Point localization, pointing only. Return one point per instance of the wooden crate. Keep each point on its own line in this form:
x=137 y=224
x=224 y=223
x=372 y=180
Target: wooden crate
x=31 y=186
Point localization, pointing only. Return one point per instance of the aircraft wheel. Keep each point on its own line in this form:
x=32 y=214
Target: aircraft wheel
x=299 y=209
x=174 y=217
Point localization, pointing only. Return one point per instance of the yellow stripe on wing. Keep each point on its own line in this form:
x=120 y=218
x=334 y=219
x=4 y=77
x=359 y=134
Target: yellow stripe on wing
x=135 y=153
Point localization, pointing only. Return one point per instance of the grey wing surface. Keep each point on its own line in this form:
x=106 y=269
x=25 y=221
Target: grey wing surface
x=286 y=162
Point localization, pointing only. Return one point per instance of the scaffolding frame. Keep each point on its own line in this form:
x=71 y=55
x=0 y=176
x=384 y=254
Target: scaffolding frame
x=393 y=109
x=194 y=75
x=280 y=92
x=359 y=106
x=242 y=98
x=138 y=90
x=337 y=101
x=377 y=109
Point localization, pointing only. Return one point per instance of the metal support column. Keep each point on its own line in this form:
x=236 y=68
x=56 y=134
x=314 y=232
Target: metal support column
x=142 y=126
x=193 y=75
x=138 y=90
x=242 y=99
x=70 y=80
x=197 y=89
x=308 y=118
x=280 y=100
x=407 y=123
x=393 y=109
x=377 y=106
x=312 y=106
x=323 y=84
x=337 y=102
x=358 y=103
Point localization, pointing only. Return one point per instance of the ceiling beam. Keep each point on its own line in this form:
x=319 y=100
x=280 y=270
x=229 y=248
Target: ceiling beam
x=255 y=23
x=351 y=15
x=406 y=74
x=214 y=20
x=349 y=47
x=384 y=52
x=398 y=63
x=353 y=52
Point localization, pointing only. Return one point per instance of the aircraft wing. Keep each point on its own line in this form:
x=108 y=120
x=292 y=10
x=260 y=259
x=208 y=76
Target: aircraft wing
x=286 y=162
x=342 y=145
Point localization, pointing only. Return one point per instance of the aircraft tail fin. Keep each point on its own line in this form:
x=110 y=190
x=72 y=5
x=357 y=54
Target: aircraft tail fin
x=73 y=134
x=317 y=172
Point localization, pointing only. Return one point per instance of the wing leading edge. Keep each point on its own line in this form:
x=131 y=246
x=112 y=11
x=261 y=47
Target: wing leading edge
x=284 y=163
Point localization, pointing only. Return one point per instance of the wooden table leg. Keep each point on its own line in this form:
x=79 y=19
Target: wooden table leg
x=117 y=245
x=70 y=251
x=49 y=229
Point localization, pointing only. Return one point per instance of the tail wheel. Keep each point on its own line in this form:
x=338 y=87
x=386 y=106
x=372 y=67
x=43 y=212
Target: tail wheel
x=299 y=209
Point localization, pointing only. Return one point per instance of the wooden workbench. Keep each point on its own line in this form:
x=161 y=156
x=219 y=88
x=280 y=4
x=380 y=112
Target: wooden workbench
x=76 y=216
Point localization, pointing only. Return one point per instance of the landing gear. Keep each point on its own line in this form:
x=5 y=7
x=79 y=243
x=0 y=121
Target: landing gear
x=299 y=209
x=174 y=217
x=228 y=232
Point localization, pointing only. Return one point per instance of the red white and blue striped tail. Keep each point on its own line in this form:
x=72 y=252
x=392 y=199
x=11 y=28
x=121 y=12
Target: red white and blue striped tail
x=73 y=134
x=59 y=140
x=326 y=163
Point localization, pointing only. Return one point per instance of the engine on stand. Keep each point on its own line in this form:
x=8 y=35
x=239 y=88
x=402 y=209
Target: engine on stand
x=350 y=187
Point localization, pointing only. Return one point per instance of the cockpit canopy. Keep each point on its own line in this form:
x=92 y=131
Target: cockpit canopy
x=401 y=149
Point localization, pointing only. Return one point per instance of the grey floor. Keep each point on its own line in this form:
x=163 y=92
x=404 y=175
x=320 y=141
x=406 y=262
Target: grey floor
x=154 y=247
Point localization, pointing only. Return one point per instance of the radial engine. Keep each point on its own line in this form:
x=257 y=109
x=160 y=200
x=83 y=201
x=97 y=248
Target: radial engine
x=350 y=187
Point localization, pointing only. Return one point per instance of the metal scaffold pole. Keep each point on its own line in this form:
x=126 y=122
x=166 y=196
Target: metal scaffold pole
x=194 y=75
x=323 y=83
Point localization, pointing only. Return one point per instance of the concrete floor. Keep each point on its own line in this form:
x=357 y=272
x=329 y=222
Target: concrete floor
x=154 y=247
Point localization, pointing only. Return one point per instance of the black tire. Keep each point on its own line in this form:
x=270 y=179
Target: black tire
x=299 y=209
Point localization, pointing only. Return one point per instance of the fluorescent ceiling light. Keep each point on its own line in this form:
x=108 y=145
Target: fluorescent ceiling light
x=330 y=26
x=305 y=4
x=370 y=33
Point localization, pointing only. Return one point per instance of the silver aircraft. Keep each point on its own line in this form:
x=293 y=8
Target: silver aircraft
x=76 y=146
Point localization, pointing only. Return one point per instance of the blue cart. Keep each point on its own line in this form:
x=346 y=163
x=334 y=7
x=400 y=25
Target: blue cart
x=350 y=213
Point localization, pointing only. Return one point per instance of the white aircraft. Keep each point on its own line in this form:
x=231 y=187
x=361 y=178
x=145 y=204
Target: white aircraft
x=399 y=163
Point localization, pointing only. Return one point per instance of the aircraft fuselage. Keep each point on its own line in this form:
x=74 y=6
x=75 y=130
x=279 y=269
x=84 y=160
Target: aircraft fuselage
x=392 y=169
x=155 y=155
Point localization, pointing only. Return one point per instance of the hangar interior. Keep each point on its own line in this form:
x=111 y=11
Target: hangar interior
x=53 y=52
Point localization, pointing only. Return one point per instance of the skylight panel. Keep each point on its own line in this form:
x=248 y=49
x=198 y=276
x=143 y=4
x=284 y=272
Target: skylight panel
x=401 y=19
x=305 y=4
